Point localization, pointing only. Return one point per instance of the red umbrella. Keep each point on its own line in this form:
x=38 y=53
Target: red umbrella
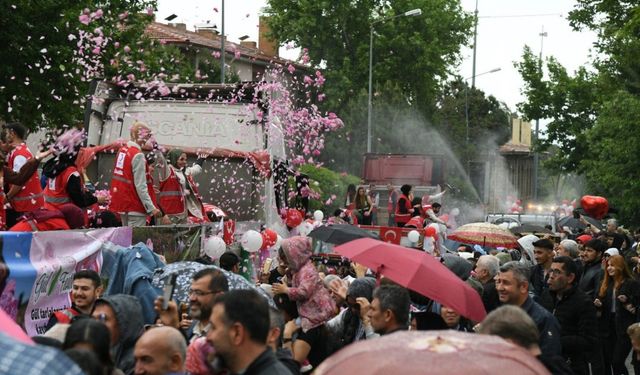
x=432 y=352
x=417 y=271
x=12 y=329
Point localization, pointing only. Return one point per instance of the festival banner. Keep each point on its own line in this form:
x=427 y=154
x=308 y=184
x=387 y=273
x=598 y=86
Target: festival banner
x=41 y=268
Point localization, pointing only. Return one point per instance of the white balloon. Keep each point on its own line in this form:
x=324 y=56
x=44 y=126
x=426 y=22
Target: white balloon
x=214 y=247
x=318 y=215
x=455 y=212
x=251 y=241
x=304 y=229
x=414 y=236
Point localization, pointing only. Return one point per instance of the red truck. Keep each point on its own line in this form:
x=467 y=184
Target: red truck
x=424 y=172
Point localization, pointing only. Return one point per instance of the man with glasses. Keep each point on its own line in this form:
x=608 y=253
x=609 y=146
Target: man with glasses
x=206 y=285
x=575 y=312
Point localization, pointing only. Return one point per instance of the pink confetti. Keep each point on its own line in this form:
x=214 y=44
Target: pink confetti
x=84 y=19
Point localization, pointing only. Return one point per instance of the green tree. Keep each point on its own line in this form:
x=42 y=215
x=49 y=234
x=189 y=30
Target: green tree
x=593 y=111
x=415 y=53
x=40 y=82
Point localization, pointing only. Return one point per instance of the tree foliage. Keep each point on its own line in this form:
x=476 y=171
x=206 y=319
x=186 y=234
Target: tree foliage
x=415 y=53
x=52 y=49
x=593 y=111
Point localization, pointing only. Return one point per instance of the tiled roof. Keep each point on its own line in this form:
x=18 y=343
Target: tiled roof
x=172 y=35
x=508 y=148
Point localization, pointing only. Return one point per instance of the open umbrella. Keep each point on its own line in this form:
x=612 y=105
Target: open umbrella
x=340 y=233
x=432 y=352
x=576 y=225
x=185 y=272
x=417 y=271
x=484 y=234
x=530 y=229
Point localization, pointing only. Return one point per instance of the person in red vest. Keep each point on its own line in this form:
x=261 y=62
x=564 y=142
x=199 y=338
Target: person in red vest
x=65 y=184
x=86 y=289
x=27 y=197
x=179 y=198
x=16 y=178
x=67 y=216
x=404 y=208
x=130 y=195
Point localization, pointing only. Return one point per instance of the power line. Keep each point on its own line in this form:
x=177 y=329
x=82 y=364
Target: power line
x=523 y=15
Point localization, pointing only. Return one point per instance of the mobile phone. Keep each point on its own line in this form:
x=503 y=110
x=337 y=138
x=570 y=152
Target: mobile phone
x=167 y=291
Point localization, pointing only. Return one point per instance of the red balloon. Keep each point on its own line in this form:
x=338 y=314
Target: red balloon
x=594 y=206
x=269 y=238
x=294 y=218
x=430 y=232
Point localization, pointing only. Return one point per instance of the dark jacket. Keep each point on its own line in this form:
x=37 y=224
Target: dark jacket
x=548 y=327
x=624 y=318
x=490 y=297
x=284 y=355
x=267 y=364
x=130 y=325
x=577 y=317
x=591 y=278
x=538 y=281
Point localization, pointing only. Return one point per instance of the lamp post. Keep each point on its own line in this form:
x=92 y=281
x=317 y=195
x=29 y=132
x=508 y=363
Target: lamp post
x=410 y=13
x=536 y=157
x=222 y=50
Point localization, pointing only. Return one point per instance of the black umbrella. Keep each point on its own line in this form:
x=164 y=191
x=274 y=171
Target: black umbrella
x=530 y=228
x=338 y=234
x=573 y=223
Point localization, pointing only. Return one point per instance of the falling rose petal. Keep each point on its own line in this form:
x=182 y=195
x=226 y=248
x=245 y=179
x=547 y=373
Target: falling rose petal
x=291 y=68
x=84 y=19
x=150 y=11
x=215 y=10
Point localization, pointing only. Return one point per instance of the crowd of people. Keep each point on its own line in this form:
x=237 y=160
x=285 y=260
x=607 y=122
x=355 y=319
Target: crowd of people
x=572 y=303
x=62 y=197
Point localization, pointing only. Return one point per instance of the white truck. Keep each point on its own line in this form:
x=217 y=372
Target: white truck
x=195 y=118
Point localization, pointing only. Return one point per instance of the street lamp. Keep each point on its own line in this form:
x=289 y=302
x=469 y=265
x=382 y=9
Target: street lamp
x=466 y=101
x=410 y=13
x=222 y=50
x=536 y=156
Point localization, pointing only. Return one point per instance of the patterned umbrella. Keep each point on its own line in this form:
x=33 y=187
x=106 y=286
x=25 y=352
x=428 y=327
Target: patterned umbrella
x=432 y=352
x=484 y=234
x=185 y=272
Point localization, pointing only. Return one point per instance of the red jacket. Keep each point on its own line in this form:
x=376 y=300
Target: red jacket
x=416 y=221
x=400 y=217
x=124 y=197
x=172 y=197
x=55 y=193
x=30 y=196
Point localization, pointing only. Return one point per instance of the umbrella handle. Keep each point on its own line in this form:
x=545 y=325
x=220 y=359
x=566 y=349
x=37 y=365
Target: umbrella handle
x=379 y=274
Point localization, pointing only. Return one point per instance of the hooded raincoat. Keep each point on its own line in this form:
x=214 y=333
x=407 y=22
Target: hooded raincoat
x=314 y=302
x=128 y=312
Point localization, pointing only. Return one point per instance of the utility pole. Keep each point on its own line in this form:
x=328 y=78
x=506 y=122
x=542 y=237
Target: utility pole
x=222 y=50
x=536 y=156
x=475 y=46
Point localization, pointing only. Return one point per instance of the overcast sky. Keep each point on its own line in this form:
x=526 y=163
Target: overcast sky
x=501 y=35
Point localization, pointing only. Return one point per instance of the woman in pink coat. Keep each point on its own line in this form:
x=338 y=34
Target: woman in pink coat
x=315 y=305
